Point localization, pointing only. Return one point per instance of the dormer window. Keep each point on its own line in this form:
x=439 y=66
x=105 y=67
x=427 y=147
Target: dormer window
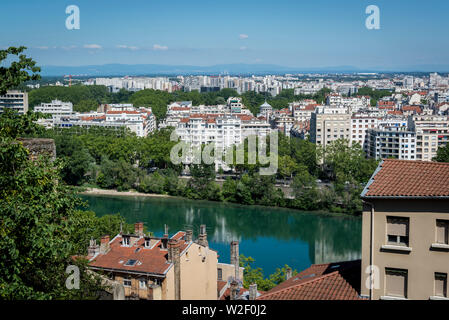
x=126 y=241
x=147 y=243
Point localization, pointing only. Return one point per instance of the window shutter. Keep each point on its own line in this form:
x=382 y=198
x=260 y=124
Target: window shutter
x=397 y=227
x=440 y=284
x=442 y=229
x=395 y=283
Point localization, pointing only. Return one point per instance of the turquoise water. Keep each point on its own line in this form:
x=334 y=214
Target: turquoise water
x=272 y=236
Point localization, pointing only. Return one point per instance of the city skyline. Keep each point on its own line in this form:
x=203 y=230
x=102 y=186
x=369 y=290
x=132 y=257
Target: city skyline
x=308 y=35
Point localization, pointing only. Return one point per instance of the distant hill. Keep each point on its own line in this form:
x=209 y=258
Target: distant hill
x=233 y=69
x=152 y=69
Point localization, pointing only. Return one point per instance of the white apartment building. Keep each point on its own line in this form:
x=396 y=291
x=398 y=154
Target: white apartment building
x=354 y=104
x=360 y=124
x=432 y=132
x=198 y=129
x=14 y=100
x=329 y=124
x=394 y=142
x=252 y=126
x=140 y=121
x=55 y=108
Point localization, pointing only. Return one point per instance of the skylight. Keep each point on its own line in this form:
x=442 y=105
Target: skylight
x=131 y=262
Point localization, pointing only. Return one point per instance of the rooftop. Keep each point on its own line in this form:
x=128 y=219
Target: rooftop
x=331 y=281
x=408 y=179
x=152 y=260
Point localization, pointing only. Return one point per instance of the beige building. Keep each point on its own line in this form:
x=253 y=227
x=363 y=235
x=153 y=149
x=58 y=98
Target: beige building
x=152 y=268
x=405 y=231
x=15 y=100
x=329 y=124
x=432 y=132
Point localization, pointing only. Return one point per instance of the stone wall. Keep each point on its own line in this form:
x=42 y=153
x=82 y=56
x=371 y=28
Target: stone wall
x=37 y=146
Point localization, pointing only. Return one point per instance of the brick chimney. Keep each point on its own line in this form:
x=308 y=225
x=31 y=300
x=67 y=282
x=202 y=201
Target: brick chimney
x=174 y=257
x=93 y=248
x=104 y=244
x=138 y=228
x=189 y=236
x=235 y=261
x=234 y=290
x=202 y=237
x=288 y=273
x=253 y=291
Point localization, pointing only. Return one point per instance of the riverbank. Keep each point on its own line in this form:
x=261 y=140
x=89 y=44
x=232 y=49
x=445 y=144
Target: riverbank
x=112 y=192
x=92 y=191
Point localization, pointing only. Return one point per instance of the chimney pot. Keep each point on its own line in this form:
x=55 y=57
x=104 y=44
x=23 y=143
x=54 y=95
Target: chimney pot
x=202 y=237
x=189 y=235
x=288 y=273
x=253 y=291
x=104 y=244
x=234 y=289
x=235 y=258
x=138 y=228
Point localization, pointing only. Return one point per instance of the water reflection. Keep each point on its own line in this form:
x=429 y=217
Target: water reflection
x=273 y=237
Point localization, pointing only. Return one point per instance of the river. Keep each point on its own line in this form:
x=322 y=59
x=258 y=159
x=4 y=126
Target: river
x=272 y=236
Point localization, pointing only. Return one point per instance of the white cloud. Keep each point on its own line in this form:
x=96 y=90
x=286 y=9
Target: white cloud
x=243 y=48
x=159 y=47
x=122 y=46
x=67 y=47
x=243 y=36
x=42 y=47
x=92 y=46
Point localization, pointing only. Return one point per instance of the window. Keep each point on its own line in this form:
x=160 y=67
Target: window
x=130 y=262
x=127 y=282
x=142 y=284
x=397 y=231
x=126 y=241
x=442 y=231
x=440 y=285
x=220 y=274
x=396 y=282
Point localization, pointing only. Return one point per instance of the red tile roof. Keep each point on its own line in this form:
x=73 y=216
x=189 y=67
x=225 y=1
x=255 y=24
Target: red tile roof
x=331 y=281
x=150 y=260
x=412 y=179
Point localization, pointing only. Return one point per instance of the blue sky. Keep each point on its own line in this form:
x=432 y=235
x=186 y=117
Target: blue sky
x=295 y=33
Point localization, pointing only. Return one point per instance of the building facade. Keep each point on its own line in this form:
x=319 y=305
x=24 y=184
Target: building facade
x=14 y=100
x=405 y=249
x=329 y=124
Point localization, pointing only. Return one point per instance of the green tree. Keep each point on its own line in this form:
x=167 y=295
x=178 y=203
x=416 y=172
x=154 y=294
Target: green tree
x=442 y=154
x=35 y=210
x=18 y=71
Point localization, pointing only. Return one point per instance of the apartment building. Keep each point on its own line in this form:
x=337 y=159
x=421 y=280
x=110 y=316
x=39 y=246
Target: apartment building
x=198 y=129
x=391 y=142
x=55 y=108
x=141 y=121
x=14 y=100
x=158 y=268
x=360 y=124
x=329 y=124
x=405 y=231
x=432 y=132
x=352 y=103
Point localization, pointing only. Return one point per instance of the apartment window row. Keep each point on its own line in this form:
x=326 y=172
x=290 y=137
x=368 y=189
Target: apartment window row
x=398 y=231
x=396 y=283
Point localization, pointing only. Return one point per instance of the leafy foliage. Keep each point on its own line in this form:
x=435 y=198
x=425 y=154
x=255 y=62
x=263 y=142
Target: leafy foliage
x=18 y=71
x=252 y=275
